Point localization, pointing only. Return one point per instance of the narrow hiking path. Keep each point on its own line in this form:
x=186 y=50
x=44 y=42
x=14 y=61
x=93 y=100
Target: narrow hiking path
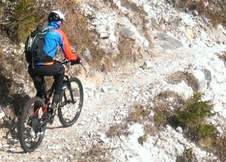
x=108 y=97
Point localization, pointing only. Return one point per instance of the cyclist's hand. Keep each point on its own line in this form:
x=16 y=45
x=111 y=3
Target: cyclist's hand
x=78 y=61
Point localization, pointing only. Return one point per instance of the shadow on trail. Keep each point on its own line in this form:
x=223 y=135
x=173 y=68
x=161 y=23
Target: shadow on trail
x=55 y=127
x=11 y=103
x=16 y=152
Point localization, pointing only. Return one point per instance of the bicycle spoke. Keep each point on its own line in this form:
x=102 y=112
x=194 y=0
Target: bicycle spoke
x=31 y=129
x=72 y=100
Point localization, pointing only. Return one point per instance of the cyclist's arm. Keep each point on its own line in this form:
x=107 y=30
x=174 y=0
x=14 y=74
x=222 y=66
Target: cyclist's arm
x=65 y=45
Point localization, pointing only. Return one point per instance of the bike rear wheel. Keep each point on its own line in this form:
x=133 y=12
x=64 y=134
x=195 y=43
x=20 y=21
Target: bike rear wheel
x=71 y=102
x=31 y=131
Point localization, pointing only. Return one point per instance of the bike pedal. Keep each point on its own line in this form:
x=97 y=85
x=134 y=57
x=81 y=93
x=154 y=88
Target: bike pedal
x=55 y=106
x=50 y=112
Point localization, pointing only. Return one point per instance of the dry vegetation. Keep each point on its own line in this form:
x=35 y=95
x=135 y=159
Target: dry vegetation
x=76 y=28
x=187 y=156
x=96 y=154
x=222 y=56
x=21 y=24
x=212 y=9
x=17 y=24
x=170 y=108
x=187 y=77
x=220 y=145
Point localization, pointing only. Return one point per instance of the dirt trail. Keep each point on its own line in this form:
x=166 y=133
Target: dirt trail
x=105 y=96
x=107 y=100
x=63 y=144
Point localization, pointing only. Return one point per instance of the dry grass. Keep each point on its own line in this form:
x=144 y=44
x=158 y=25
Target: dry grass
x=166 y=103
x=169 y=99
x=118 y=130
x=187 y=77
x=220 y=146
x=161 y=117
x=222 y=56
x=126 y=54
x=149 y=127
x=106 y=64
x=96 y=154
x=76 y=27
x=139 y=114
x=210 y=9
x=207 y=143
x=133 y=7
x=187 y=156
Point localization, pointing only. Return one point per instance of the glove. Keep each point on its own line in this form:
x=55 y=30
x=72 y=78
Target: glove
x=78 y=61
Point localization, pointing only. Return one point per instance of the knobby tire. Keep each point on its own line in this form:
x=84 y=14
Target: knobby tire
x=71 y=108
x=30 y=135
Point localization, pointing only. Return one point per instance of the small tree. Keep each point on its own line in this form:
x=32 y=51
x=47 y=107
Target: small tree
x=22 y=18
x=192 y=118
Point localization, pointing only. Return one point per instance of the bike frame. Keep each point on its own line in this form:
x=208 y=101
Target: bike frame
x=48 y=94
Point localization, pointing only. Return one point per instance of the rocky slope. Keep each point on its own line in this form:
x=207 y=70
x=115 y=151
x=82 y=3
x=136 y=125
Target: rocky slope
x=160 y=41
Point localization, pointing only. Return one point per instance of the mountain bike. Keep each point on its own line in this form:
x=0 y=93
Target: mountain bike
x=37 y=112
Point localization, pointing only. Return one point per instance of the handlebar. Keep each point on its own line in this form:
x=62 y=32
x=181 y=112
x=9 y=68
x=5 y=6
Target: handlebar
x=65 y=61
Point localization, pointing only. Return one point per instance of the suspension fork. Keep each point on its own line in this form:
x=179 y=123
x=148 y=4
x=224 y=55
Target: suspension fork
x=69 y=87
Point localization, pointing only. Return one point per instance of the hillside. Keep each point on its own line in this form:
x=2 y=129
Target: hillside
x=153 y=57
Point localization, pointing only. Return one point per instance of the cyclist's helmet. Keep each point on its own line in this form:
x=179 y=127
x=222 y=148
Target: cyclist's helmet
x=56 y=16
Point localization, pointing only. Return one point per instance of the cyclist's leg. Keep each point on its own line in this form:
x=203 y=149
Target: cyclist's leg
x=56 y=70
x=38 y=80
x=39 y=84
x=59 y=82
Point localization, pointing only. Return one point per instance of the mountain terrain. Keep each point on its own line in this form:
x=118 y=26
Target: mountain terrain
x=144 y=61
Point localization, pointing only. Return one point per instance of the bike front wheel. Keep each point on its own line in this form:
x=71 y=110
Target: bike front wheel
x=71 y=102
x=31 y=131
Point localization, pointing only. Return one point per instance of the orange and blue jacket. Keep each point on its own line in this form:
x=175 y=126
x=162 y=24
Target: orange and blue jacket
x=53 y=38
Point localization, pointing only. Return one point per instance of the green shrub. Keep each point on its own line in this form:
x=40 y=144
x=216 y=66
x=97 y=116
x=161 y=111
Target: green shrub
x=187 y=156
x=143 y=139
x=192 y=118
x=205 y=131
x=195 y=111
x=160 y=118
x=23 y=18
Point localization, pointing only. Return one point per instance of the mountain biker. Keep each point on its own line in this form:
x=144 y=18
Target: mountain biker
x=47 y=66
